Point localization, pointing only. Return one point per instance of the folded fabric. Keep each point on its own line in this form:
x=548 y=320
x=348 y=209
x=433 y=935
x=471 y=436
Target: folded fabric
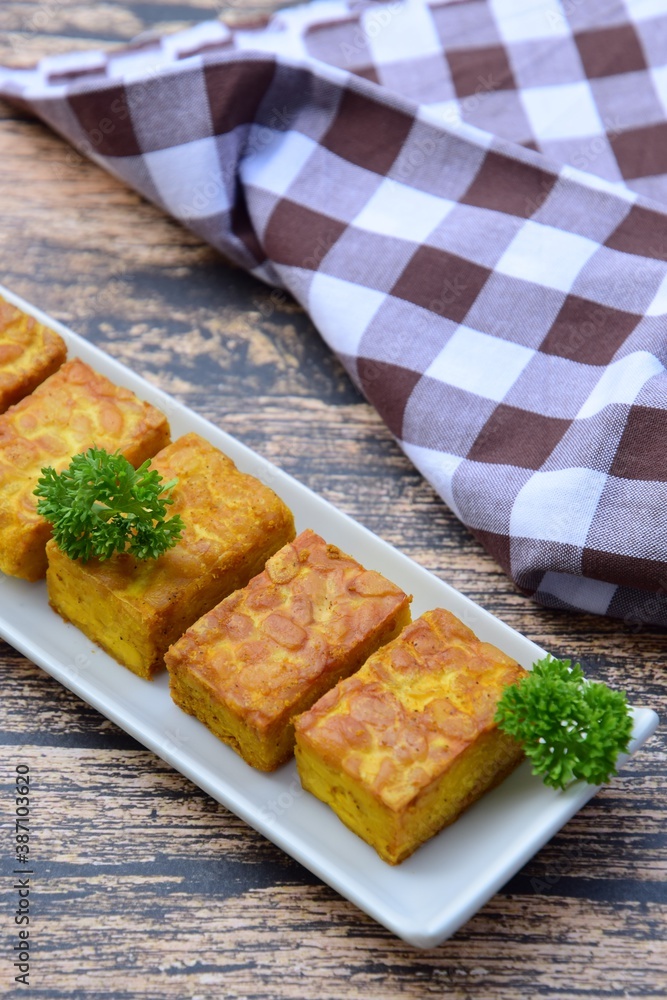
x=504 y=310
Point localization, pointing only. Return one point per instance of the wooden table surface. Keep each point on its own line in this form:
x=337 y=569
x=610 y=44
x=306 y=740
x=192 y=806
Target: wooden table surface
x=144 y=886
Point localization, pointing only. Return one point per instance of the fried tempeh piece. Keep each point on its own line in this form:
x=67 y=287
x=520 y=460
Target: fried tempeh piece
x=29 y=353
x=136 y=609
x=269 y=651
x=72 y=410
x=400 y=749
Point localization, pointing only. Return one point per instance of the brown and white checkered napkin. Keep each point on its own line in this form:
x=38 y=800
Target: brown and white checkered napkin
x=457 y=193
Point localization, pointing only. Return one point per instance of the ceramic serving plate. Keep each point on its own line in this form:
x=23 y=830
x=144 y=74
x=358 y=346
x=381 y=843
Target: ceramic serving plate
x=430 y=895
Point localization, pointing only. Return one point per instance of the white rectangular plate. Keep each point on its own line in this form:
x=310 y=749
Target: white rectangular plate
x=430 y=895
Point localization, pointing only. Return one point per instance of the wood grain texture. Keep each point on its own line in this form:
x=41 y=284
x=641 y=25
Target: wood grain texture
x=144 y=886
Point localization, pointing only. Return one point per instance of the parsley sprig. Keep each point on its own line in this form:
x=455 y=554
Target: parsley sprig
x=100 y=505
x=570 y=728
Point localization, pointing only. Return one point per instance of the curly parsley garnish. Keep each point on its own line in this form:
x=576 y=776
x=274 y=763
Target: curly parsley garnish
x=100 y=505
x=569 y=727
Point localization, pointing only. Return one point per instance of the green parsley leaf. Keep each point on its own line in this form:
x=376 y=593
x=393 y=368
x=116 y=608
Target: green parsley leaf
x=570 y=728
x=100 y=505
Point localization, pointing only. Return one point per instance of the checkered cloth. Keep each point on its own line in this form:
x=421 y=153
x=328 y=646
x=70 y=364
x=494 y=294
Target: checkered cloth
x=503 y=309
